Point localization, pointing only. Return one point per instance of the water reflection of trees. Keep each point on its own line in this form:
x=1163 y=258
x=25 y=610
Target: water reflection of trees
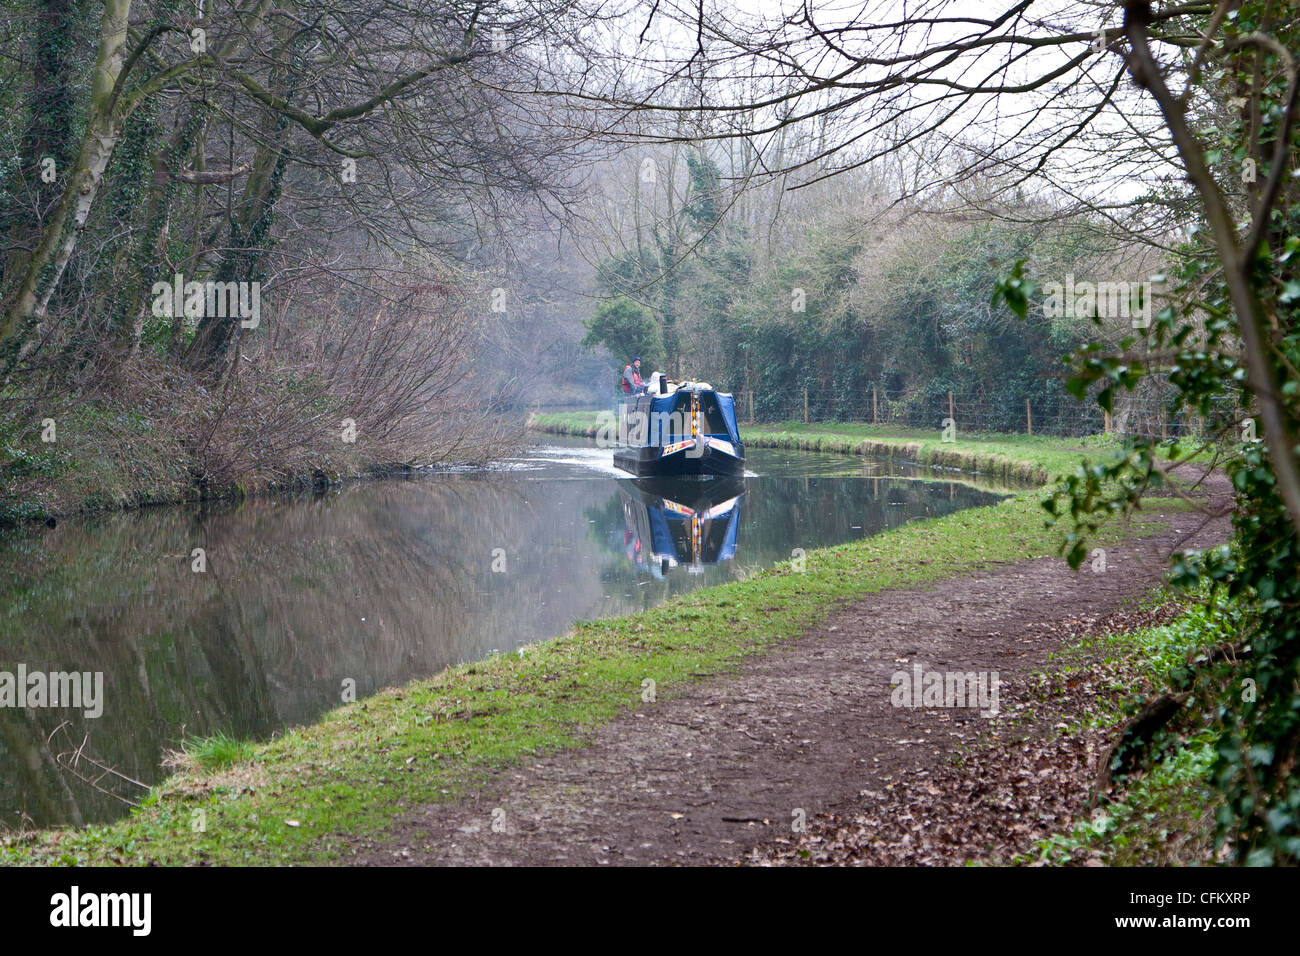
x=380 y=583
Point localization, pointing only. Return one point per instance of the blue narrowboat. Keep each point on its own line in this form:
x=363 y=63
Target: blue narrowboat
x=680 y=429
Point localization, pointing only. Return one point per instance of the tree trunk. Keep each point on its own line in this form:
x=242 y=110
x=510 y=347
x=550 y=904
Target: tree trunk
x=164 y=184
x=49 y=132
x=249 y=237
x=59 y=238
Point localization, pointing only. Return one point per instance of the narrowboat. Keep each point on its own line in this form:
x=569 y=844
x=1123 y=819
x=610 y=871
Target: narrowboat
x=679 y=429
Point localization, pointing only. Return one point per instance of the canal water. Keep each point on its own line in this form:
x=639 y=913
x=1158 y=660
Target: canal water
x=374 y=584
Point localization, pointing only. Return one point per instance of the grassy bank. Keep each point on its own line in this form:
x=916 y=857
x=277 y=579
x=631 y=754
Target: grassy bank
x=1027 y=458
x=306 y=796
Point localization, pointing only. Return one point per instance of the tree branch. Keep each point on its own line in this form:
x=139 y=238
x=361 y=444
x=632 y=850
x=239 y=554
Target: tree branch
x=1236 y=263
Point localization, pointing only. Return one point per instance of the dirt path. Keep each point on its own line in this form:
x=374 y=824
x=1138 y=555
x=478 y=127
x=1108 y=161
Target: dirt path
x=709 y=774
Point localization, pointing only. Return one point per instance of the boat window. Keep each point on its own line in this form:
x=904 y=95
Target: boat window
x=711 y=420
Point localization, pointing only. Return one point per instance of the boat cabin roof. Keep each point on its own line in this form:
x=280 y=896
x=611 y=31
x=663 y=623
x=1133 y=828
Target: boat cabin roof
x=658 y=386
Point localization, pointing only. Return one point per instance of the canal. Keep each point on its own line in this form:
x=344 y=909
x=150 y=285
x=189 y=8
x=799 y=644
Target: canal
x=254 y=617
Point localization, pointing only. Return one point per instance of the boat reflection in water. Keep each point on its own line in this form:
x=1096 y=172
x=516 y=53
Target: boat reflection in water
x=683 y=521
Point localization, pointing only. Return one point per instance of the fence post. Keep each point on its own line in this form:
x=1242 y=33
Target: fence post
x=874 y=418
x=1029 y=418
x=951 y=417
x=805 y=406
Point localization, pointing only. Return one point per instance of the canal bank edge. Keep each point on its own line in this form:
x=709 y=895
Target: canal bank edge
x=303 y=796
x=1034 y=459
x=147 y=464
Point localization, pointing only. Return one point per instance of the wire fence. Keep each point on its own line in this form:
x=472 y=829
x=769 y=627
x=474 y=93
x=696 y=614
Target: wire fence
x=1150 y=415
x=1141 y=415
